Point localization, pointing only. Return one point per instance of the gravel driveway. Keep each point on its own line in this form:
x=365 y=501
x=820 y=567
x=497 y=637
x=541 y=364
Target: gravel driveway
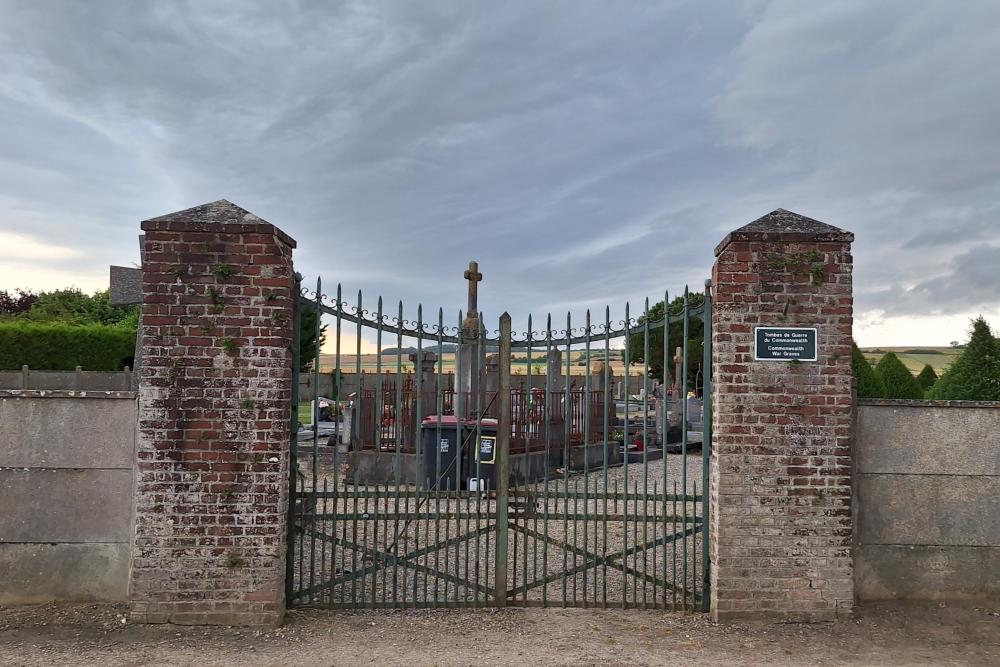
x=886 y=636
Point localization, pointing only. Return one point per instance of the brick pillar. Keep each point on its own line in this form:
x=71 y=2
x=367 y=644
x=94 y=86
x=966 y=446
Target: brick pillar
x=781 y=526
x=214 y=405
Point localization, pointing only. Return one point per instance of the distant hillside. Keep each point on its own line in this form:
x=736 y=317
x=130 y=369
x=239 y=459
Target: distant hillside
x=430 y=347
x=914 y=358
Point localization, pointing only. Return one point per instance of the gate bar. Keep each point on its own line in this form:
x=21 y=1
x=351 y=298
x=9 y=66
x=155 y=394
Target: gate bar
x=706 y=441
x=503 y=469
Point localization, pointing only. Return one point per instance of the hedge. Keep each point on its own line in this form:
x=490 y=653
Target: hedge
x=55 y=346
x=869 y=384
x=927 y=378
x=975 y=375
x=899 y=381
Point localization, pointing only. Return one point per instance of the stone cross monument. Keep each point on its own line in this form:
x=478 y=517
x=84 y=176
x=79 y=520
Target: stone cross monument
x=467 y=373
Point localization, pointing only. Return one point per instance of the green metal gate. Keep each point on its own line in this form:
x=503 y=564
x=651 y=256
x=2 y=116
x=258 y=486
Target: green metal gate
x=521 y=469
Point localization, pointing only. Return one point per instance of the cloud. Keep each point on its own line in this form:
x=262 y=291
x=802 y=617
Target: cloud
x=971 y=283
x=585 y=155
x=31 y=249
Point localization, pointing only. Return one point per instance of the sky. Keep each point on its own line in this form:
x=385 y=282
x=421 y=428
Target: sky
x=584 y=153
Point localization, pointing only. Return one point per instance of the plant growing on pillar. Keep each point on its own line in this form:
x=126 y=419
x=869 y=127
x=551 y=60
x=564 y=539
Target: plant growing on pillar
x=230 y=346
x=899 y=381
x=218 y=301
x=233 y=560
x=222 y=271
x=810 y=263
x=174 y=371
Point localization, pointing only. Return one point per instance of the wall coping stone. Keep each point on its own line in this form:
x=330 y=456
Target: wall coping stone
x=786 y=226
x=66 y=393
x=216 y=217
x=925 y=403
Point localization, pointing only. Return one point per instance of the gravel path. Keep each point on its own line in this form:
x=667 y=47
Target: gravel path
x=886 y=636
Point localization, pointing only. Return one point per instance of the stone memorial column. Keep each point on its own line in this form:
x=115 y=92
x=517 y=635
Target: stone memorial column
x=213 y=430
x=425 y=365
x=468 y=353
x=780 y=518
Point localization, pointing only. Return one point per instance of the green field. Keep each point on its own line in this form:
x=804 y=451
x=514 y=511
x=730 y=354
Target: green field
x=914 y=358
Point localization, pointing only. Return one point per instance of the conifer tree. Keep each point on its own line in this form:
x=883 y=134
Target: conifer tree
x=975 y=375
x=869 y=384
x=927 y=378
x=899 y=381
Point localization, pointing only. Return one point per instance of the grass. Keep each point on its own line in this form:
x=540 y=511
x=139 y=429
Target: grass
x=305 y=413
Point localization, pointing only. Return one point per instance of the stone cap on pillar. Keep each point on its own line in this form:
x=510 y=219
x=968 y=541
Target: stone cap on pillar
x=783 y=225
x=211 y=216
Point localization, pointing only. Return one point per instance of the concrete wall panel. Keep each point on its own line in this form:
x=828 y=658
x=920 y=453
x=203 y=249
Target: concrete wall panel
x=67 y=432
x=884 y=572
x=928 y=440
x=44 y=505
x=36 y=573
x=927 y=500
x=929 y=509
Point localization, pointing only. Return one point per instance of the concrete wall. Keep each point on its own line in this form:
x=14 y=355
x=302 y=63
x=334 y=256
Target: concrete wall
x=927 y=500
x=79 y=380
x=66 y=493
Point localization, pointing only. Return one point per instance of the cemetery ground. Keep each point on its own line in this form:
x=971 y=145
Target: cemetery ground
x=883 y=635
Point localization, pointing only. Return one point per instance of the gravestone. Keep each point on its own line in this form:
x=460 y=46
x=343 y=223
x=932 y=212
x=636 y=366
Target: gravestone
x=424 y=367
x=678 y=371
x=554 y=368
x=492 y=374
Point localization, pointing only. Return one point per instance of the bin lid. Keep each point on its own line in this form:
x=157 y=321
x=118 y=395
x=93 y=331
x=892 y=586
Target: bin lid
x=446 y=420
x=452 y=420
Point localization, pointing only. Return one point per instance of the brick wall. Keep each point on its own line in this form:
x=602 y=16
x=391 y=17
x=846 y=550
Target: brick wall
x=213 y=423
x=781 y=464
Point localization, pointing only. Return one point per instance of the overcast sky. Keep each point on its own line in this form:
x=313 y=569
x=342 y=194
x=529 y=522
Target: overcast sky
x=585 y=153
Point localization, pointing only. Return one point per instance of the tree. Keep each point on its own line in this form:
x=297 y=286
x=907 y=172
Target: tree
x=899 y=381
x=72 y=306
x=927 y=378
x=307 y=337
x=975 y=374
x=635 y=344
x=11 y=305
x=869 y=384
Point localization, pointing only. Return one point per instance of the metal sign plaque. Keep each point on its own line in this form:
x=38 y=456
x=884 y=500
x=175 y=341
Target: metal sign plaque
x=784 y=344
